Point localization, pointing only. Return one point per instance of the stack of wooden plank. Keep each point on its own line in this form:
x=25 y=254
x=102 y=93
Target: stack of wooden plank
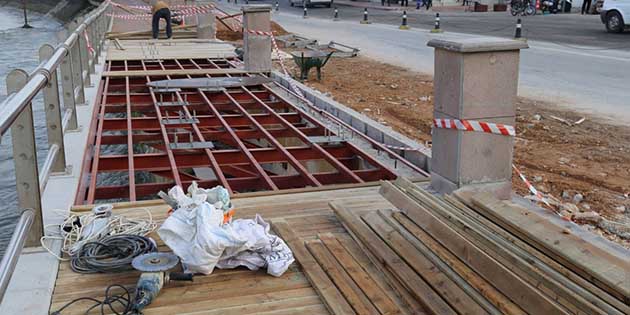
x=472 y=254
x=341 y=273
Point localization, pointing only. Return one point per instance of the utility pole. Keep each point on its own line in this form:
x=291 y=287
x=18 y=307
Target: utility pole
x=25 y=16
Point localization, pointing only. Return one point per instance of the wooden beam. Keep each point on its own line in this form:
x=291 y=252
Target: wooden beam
x=333 y=299
x=403 y=299
x=445 y=287
x=143 y=73
x=341 y=279
x=473 y=279
x=379 y=298
x=519 y=291
x=432 y=301
x=608 y=271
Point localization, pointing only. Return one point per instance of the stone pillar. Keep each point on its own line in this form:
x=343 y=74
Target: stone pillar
x=257 y=48
x=475 y=79
x=206 y=26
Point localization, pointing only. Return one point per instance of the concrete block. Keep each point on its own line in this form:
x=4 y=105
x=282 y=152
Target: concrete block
x=257 y=48
x=475 y=79
x=206 y=26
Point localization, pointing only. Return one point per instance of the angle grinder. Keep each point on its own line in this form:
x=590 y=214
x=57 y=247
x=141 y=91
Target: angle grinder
x=154 y=267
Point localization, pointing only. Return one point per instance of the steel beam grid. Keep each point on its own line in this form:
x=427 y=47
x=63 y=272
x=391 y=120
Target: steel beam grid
x=260 y=140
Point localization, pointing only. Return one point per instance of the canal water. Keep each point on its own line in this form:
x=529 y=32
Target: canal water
x=19 y=49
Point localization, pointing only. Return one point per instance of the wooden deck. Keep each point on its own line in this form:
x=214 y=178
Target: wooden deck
x=238 y=291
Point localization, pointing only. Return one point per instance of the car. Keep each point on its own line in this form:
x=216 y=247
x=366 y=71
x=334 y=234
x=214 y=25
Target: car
x=615 y=14
x=312 y=3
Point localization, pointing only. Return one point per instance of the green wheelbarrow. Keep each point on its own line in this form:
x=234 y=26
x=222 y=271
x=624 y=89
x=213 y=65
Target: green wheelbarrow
x=310 y=59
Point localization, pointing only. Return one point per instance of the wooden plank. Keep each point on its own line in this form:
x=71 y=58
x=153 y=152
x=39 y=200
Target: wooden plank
x=143 y=73
x=377 y=296
x=387 y=281
x=607 y=271
x=432 y=301
x=335 y=302
x=519 y=291
x=357 y=299
x=444 y=286
x=481 y=285
x=503 y=251
x=579 y=286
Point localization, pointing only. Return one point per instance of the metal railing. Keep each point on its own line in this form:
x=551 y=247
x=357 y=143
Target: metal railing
x=10 y=258
x=72 y=61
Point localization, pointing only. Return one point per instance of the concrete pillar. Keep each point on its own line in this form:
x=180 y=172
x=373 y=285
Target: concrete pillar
x=206 y=26
x=475 y=79
x=257 y=48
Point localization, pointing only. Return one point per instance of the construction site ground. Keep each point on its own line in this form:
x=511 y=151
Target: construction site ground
x=591 y=159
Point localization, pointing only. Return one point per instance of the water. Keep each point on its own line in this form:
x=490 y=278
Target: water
x=19 y=49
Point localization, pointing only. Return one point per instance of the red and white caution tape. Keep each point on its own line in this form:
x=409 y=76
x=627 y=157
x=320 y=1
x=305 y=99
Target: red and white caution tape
x=189 y=11
x=473 y=125
x=148 y=7
x=536 y=193
x=87 y=41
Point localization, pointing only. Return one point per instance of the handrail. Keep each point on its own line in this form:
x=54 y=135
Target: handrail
x=15 y=103
x=12 y=254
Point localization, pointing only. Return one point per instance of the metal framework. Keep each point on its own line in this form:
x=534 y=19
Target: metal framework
x=246 y=139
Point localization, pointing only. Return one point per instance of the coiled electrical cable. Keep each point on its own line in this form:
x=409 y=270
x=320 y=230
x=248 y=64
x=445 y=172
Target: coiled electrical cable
x=112 y=253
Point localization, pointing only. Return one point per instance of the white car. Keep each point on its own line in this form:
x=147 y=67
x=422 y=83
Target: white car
x=615 y=15
x=311 y=3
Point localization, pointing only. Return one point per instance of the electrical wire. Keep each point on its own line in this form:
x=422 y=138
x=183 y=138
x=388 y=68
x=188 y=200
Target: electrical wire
x=111 y=254
x=77 y=229
x=124 y=299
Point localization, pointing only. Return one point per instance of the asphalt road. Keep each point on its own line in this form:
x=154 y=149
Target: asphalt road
x=578 y=76
x=570 y=29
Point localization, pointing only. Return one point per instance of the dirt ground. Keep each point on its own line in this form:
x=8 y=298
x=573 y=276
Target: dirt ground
x=590 y=159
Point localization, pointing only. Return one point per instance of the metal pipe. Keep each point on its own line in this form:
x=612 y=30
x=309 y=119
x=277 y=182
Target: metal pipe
x=47 y=167
x=16 y=102
x=14 y=249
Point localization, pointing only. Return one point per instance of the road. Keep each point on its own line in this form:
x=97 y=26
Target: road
x=577 y=76
x=570 y=29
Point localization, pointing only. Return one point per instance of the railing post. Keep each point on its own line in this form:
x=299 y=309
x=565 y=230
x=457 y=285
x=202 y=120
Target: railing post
x=77 y=68
x=25 y=159
x=85 y=59
x=53 y=112
x=67 y=85
x=89 y=30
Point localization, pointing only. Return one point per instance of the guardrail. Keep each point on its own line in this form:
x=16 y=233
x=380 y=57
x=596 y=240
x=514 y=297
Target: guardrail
x=71 y=62
x=12 y=254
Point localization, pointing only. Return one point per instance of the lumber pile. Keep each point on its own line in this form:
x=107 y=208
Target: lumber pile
x=343 y=276
x=472 y=254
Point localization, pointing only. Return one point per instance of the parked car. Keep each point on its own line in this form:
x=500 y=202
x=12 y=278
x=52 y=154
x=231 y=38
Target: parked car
x=312 y=3
x=615 y=15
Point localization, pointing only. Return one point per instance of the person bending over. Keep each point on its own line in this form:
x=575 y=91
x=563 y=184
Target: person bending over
x=160 y=10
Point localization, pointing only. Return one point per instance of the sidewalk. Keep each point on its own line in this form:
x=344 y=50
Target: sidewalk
x=412 y=6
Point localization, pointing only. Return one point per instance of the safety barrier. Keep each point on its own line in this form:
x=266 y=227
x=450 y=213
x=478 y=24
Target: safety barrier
x=74 y=59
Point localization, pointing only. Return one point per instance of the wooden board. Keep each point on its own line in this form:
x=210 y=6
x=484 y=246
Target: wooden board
x=438 y=281
x=142 y=73
x=608 y=271
x=171 y=49
x=357 y=299
x=335 y=302
x=519 y=291
x=407 y=276
x=380 y=298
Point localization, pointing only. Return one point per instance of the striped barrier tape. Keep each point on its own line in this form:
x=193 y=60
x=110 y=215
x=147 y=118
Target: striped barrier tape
x=537 y=194
x=473 y=125
x=148 y=7
x=87 y=41
x=180 y=13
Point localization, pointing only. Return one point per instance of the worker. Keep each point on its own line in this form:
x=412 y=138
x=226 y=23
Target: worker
x=160 y=10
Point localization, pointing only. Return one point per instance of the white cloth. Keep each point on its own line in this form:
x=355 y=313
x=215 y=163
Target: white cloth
x=195 y=233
